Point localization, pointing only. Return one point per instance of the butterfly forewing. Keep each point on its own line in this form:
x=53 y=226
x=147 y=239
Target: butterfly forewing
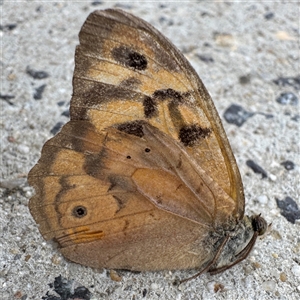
x=130 y=71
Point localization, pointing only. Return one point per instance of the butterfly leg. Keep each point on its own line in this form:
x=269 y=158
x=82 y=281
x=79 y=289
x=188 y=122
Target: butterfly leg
x=214 y=260
x=239 y=257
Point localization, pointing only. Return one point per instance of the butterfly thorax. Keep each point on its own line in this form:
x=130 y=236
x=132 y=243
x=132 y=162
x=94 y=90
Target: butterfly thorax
x=238 y=240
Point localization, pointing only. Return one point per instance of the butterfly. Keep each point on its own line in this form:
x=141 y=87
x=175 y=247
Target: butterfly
x=142 y=177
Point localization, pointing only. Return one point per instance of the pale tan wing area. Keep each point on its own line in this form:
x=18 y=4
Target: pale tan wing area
x=126 y=70
x=120 y=201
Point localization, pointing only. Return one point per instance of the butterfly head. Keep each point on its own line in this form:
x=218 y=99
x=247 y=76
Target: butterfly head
x=259 y=224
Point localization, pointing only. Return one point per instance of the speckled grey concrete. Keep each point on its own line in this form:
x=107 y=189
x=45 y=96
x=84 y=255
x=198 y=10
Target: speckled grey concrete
x=238 y=49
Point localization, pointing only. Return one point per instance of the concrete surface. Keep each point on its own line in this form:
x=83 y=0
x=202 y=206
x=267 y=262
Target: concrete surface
x=238 y=49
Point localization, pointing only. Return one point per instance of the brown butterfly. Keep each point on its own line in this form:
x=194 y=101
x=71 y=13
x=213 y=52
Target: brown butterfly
x=142 y=177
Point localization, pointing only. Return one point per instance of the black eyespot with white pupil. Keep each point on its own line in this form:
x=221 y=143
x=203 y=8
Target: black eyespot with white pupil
x=79 y=211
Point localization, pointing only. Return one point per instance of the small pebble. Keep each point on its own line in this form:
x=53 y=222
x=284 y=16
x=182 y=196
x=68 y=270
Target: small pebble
x=296 y=270
x=283 y=277
x=269 y=285
x=289 y=209
x=94 y=3
x=36 y=74
x=236 y=114
x=38 y=94
x=56 y=128
x=205 y=58
x=287 y=99
x=247 y=270
x=23 y=149
x=7 y=98
x=28 y=194
x=245 y=79
x=256 y=168
x=27 y=189
x=219 y=287
x=262 y=199
x=11 y=184
x=256 y=265
x=27 y=257
x=56 y=259
x=18 y=295
x=273 y=177
x=8 y=27
x=114 y=275
x=288 y=81
x=288 y=165
x=269 y=15
x=144 y=292
x=61 y=103
x=66 y=113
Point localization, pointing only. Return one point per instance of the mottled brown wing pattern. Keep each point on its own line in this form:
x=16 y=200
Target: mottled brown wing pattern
x=95 y=202
x=126 y=71
x=144 y=164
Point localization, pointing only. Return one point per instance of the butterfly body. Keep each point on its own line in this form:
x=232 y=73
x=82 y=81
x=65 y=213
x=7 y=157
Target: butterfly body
x=142 y=177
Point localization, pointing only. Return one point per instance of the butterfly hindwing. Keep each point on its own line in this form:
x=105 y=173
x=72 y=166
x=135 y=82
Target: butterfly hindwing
x=96 y=204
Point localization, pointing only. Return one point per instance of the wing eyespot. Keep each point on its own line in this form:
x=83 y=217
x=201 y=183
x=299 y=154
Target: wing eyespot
x=79 y=211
